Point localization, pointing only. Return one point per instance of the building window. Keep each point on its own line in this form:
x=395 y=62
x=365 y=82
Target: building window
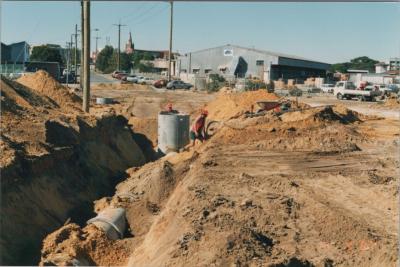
x=260 y=62
x=183 y=70
x=206 y=71
x=196 y=71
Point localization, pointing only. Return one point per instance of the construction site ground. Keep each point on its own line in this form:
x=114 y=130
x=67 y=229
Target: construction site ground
x=312 y=187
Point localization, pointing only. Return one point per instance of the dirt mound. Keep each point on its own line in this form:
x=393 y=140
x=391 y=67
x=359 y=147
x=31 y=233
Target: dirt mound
x=44 y=84
x=319 y=129
x=54 y=163
x=88 y=247
x=16 y=97
x=392 y=102
x=228 y=106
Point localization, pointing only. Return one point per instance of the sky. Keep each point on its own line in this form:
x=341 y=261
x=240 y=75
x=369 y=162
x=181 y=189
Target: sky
x=327 y=32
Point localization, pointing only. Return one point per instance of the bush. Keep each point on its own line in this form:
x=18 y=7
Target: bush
x=216 y=82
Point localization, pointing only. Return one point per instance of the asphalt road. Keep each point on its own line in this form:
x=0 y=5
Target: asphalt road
x=101 y=78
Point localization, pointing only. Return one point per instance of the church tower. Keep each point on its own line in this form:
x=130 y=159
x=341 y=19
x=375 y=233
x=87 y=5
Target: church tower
x=129 y=47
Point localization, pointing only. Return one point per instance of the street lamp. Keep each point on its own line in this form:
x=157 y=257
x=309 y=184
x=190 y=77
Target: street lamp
x=96 y=51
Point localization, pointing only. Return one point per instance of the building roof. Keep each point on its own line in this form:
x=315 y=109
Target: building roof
x=262 y=52
x=357 y=71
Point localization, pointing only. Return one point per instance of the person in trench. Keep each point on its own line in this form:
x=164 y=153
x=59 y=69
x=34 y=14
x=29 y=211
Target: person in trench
x=198 y=129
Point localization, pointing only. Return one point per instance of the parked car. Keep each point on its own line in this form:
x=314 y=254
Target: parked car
x=115 y=73
x=140 y=79
x=121 y=75
x=160 y=83
x=131 y=78
x=327 y=87
x=147 y=80
x=394 y=88
x=177 y=84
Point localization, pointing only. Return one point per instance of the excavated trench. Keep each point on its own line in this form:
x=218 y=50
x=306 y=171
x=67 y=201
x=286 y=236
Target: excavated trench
x=41 y=193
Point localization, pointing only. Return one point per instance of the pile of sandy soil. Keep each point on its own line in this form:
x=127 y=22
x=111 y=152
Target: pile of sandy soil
x=228 y=106
x=88 y=247
x=226 y=90
x=235 y=206
x=392 y=102
x=46 y=85
x=319 y=129
x=275 y=190
x=55 y=160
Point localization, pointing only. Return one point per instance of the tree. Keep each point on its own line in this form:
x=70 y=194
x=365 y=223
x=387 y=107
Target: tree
x=359 y=63
x=148 y=56
x=125 y=61
x=46 y=53
x=107 y=60
x=103 y=59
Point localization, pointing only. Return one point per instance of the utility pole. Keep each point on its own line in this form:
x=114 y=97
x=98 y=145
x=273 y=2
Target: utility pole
x=86 y=55
x=70 y=51
x=76 y=50
x=96 y=51
x=119 y=25
x=170 y=39
x=82 y=47
x=68 y=61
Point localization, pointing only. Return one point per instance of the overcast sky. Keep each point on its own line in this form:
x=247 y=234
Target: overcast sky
x=328 y=32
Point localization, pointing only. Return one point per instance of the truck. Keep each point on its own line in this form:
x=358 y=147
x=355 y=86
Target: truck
x=53 y=68
x=347 y=90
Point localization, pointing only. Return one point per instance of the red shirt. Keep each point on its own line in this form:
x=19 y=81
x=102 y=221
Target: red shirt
x=198 y=125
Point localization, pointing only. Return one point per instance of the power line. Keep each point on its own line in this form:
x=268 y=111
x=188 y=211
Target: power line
x=146 y=18
x=119 y=25
x=144 y=13
x=133 y=10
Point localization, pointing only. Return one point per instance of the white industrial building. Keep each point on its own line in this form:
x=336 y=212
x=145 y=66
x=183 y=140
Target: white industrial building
x=240 y=62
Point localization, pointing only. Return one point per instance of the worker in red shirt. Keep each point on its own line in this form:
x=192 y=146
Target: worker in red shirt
x=197 y=131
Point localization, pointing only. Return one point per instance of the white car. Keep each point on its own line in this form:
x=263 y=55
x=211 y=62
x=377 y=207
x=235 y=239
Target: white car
x=132 y=78
x=327 y=87
x=146 y=80
x=140 y=79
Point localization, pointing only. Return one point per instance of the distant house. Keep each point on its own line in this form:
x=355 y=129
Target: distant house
x=381 y=67
x=394 y=63
x=16 y=53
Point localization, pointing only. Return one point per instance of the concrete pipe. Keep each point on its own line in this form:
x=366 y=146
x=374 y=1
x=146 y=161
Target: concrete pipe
x=111 y=221
x=104 y=100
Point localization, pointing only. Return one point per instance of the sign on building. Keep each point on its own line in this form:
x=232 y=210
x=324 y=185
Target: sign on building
x=228 y=52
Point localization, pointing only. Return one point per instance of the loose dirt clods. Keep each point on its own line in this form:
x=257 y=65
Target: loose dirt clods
x=315 y=186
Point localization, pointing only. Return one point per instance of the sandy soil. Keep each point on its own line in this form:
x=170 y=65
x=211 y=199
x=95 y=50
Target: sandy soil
x=312 y=187
x=55 y=160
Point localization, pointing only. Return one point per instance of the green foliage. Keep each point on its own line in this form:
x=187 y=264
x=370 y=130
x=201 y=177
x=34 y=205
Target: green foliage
x=359 y=63
x=107 y=60
x=141 y=67
x=148 y=56
x=46 y=53
x=252 y=85
x=216 y=82
x=104 y=58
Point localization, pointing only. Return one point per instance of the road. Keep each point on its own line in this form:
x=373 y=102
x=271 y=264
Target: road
x=101 y=78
